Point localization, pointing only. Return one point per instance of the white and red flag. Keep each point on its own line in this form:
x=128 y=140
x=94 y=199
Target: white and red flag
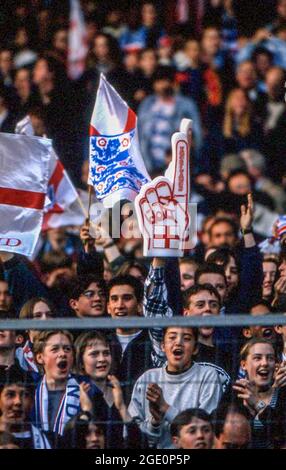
x=116 y=169
x=77 y=41
x=24 y=178
x=61 y=193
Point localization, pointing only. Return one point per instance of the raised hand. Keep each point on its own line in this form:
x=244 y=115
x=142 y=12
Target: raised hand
x=85 y=401
x=118 y=398
x=157 y=404
x=246 y=218
x=246 y=391
x=280 y=287
x=280 y=376
x=116 y=392
x=86 y=239
x=162 y=205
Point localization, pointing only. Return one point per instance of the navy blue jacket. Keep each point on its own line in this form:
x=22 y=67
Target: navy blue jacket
x=23 y=282
x=248 y=293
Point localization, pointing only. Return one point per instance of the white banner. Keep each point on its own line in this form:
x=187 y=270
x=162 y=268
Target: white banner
x=61 y=191
x=24 y=178
x=77 y=41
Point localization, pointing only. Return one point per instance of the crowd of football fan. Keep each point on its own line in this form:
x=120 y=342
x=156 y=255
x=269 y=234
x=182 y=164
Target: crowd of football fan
x=222 y=387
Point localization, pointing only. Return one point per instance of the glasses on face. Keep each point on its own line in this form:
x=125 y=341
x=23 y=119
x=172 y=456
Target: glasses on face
x=93 y=293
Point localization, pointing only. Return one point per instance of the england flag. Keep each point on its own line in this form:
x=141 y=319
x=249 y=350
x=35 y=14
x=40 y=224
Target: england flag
x=24 y=176
x=116 y=169
x=77 y=41
x=61 y=193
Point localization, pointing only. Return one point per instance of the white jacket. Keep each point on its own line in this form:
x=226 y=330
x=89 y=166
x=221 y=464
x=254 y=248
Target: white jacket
x=198 y=387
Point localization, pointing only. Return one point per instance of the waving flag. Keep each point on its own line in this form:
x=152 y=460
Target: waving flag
x=281 y=226
x=116 y=165
x=77 y=41
x=25 y=127
x=61 y=193
x=23 y=185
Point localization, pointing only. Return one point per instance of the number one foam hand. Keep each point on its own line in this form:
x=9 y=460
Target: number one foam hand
x=162 y=205
x=116 y=168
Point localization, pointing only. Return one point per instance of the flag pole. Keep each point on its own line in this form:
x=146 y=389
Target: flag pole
x=85 y=212
x=82 y=206
x=90 y=191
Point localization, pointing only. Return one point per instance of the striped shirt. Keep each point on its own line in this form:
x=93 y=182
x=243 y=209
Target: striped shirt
x=260 y=439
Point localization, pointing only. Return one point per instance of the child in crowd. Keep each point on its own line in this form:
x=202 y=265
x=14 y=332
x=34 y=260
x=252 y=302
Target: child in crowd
x=38 y=308
x=16 y=402
x=192 y=429
x=57 y=397
x=93 y=362
x=160 y=394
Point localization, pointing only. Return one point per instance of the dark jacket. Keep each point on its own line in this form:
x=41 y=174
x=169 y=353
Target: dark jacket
x=248 y=293
x=133 y=363
x=274 y=421
x=272 y=433
x=90 y=263
x=23 y=282
x=217 y=356
x=115 y=438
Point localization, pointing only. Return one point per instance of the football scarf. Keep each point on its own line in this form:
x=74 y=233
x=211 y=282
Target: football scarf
x=68 y=407
x=39 y=439
x=26 y=359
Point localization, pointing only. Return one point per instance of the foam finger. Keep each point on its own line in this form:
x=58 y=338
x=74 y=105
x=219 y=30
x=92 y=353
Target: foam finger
x=181 y=165
x=151 y=196
x=186 y=128
x=164 y=192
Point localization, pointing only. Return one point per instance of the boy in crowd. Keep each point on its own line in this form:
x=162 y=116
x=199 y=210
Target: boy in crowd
x=16 y=402
x=192 y=429
x=9 y=340
x=57 y=397
x=188 y=268
x=214 y=275
x=205 y=300
x=87 y=297
x=161 y=393
x=130 y=348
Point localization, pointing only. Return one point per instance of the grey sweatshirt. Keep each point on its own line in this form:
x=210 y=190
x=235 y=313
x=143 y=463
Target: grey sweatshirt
x=198 y=387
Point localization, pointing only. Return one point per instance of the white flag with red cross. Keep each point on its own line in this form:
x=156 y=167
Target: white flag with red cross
x=24 y=175
x=61 y=193
x=77 y=41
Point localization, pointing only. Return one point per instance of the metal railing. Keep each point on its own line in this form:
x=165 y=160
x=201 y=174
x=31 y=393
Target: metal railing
x=234 y=320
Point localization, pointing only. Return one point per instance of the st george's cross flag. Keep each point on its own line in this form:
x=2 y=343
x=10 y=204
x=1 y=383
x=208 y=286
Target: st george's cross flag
x=116 y=168
x=61 y=193
x=77 y=41
x=24 y=179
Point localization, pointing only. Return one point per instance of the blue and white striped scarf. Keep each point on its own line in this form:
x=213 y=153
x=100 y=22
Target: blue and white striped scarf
x=68 y=407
